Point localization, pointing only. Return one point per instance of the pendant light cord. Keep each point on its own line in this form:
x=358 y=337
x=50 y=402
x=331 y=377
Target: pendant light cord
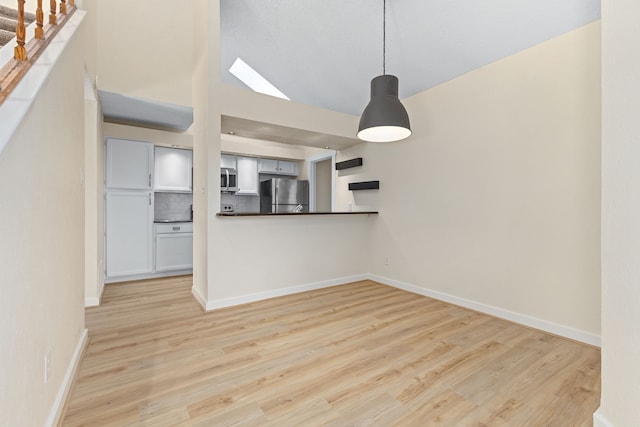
x=384 y=37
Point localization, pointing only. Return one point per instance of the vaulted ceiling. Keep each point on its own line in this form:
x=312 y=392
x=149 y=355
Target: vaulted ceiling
x=325 y=52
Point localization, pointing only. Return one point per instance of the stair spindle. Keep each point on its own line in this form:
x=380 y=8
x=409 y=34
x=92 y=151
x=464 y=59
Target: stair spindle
x=53 y=20
x=20 y=52
x=39 y=21
x=63 y=7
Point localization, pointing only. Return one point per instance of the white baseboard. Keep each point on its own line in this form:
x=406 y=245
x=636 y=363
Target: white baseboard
x=523 y=319
x=244 y=299
x=600 y=420
x=67 y=381
x=94 y=301
x=198 y=296
x=91 y=302
x=145 y=276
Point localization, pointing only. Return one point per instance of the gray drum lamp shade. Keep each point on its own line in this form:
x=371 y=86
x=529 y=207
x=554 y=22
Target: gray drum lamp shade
x=385 y=118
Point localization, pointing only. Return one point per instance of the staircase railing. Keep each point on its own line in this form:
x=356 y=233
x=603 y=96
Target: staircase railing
x=25 y=53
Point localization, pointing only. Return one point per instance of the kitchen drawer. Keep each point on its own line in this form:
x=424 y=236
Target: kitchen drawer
x=175 y=227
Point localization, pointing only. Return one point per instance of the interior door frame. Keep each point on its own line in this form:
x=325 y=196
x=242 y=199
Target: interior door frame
x=313 y=162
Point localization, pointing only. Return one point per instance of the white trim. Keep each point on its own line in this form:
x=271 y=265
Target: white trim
x=312 y=162
x=94 y=301
x=17 y=104
x=523 y=319
x=600 y=420
x=67 y=381
x=244 y=299
x=198 y=296
x=144 y=276
x=91 y=302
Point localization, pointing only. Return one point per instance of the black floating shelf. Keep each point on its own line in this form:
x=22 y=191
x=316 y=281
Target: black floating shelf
x=349 y=164
x=366 y=185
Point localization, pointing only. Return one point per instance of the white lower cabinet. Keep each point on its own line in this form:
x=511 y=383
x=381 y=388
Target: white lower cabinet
x=128 y=232
x=174 y=246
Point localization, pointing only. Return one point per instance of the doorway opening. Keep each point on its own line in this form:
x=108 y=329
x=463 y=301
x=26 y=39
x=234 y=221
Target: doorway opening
x=322 y=182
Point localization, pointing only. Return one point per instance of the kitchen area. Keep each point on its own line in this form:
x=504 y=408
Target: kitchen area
x=257 y=185
x=260 y=177
x=148 y=201
x=148 y=198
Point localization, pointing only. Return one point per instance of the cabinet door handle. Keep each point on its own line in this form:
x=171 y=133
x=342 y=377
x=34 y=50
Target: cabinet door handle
x=149 y=199
x=176 y=228
x=149 y=180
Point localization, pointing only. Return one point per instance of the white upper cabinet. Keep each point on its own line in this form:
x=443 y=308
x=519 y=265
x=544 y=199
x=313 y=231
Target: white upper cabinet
x=287 y=168
x=128 y=164
x=228 y=161
x=278 y=167
x=268 y=166
x=248 y=176
x=173 y=170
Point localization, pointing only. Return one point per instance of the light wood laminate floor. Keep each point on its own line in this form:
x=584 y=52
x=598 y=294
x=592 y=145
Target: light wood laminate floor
x=358 y=354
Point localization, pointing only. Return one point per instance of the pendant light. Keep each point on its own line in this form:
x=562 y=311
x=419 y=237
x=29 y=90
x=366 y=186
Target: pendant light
x=384 y=119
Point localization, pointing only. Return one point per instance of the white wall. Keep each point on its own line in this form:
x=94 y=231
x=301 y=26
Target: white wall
x=260 y=148
x=206 y=140
x=42 y=246
x=93 y=200
x=495 y=198
x=620 y=215
x=157 y=137
x=145 y=48
x=266 y=255
x=246 y=104
x=257 y=257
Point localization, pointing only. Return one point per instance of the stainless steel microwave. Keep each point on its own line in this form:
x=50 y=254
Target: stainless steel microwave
x=228 y=180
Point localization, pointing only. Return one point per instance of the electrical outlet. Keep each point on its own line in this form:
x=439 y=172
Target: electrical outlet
x=47 y=366
x=350 y=207
x=386 y=260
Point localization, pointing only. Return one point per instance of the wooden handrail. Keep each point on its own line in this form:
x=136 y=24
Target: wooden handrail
x=26 y=53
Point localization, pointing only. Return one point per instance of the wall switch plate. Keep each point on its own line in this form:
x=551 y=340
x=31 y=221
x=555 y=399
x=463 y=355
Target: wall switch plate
x=386 y=260
x=350 y=207
x=47 y=366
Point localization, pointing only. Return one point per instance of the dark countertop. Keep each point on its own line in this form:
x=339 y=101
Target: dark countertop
x=237 y=214
x=171 y=221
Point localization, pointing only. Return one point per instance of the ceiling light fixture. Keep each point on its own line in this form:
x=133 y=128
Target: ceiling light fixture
x=385 y=118
x=254 y=80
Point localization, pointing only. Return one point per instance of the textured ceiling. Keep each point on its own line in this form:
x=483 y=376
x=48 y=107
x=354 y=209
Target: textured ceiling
x=325 y=52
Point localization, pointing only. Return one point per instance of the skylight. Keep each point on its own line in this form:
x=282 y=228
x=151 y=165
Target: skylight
x=255 y=81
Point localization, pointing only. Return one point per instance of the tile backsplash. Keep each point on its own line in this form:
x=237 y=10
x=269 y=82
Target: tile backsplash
x=173 y=206
x=244 y=204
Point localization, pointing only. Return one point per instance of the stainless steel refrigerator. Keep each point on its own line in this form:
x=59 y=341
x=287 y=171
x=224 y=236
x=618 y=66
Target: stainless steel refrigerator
x=280 y=195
